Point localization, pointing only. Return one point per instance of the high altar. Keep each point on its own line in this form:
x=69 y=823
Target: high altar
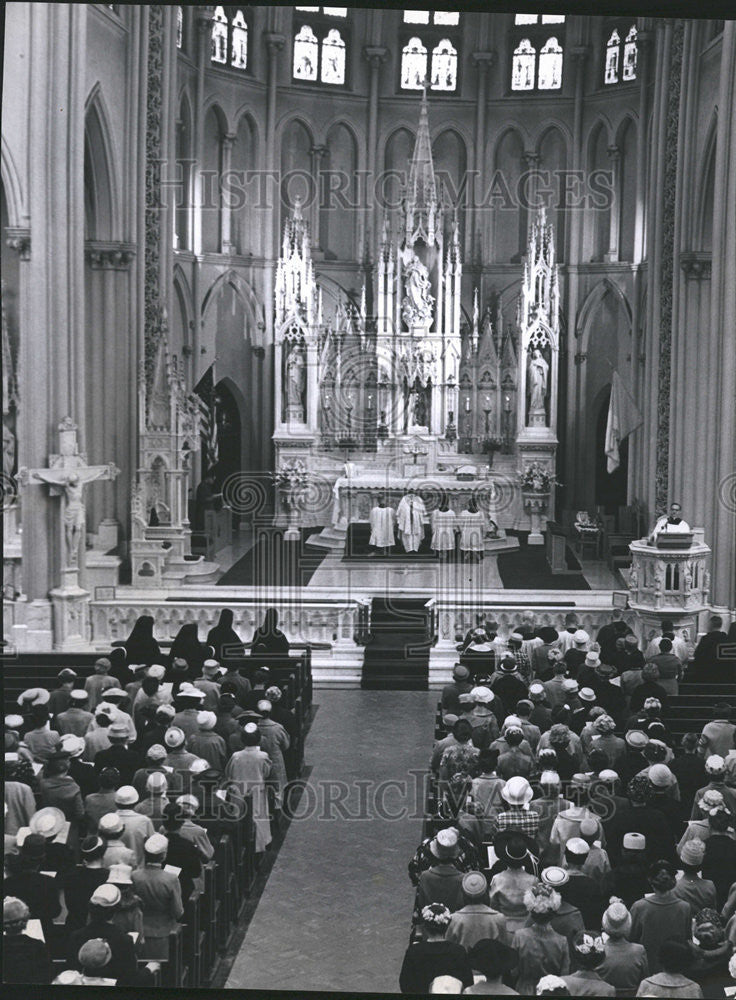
x=408 y=388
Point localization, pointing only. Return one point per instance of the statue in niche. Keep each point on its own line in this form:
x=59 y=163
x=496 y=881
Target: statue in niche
x=296 y=383
x=416 y=309
x=538 y=378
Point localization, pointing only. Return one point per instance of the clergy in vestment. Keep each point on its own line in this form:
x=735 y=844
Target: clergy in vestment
x=382 y=521
x=410 y=516
x=444 y=525
x=472 y=525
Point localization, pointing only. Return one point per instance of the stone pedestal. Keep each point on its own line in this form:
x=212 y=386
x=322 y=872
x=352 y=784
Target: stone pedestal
x=537 y=506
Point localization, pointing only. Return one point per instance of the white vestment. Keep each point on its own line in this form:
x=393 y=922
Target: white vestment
x=411 y=514
x=664 y=526
x=382 y=520
x=443 y=530
x=472 y=530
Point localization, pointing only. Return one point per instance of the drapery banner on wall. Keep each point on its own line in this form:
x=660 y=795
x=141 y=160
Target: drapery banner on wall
x=623 y=418
x=205 y=390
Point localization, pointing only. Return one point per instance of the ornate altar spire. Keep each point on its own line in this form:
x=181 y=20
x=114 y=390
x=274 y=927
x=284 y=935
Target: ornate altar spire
x=296 y=287
x=421 y=198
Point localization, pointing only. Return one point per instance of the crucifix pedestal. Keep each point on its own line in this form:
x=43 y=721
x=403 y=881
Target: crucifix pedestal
x=67 y=476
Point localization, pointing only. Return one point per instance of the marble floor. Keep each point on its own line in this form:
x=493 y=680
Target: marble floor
x=335 y=912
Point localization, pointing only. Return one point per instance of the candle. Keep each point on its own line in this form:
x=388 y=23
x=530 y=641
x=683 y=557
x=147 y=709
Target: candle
x=370 y=402
x=467 y=404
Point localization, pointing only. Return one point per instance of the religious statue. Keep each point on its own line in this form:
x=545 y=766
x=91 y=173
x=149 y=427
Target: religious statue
x=296 y=381
x=538 y=378
x=416 y=309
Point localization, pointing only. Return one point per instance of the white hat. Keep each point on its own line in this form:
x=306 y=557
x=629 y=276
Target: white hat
x=550 y=778
x=157 y=670
x=592 y=659
x=482 y=695
x=13 y=721
x=210 y=666
x=586 y=694
x=634 y=842
x=198 y=765
x=110 y=823
x=156 y=844
x=156 y=782
x=570 y=685
x=517 y=791
x=156 y=752
x=188 y=804
x=577 y=846
x=555 y=876
x=536 y=690
x=264 y=705
x=48 y=821
x=135 y=667
x=608 y=775
x=187 y=690
x=73 y=745
x=105 y=708
x=34 y=696
x=78 y=694
x=250 y=727
x=174 y=737
x=715 y=764
x=206 y=720
x=580 y=636
x=512 y=721
x=115 y=692
x=106 y=895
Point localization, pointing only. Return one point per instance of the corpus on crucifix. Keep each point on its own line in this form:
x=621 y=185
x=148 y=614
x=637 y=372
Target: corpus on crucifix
x=67 y=476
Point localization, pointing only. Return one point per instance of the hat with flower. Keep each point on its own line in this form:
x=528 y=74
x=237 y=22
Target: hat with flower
x=551 y=986
x=436 y=915
x=604 y=724
x=542 y=899
x=616 y=920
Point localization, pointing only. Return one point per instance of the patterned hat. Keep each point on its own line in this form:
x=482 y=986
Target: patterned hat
x=156 y=752
x=474 y=884
x=542 y=899
x=555 y=876
x=616 y=920
x=604 y=724
x=436 y=915
x=559 y=734
x=14 y=910
x=552 y=984
x=445 y=844
x=715 y=764
x=580 y=637
x=72 y=745
x=692 y=852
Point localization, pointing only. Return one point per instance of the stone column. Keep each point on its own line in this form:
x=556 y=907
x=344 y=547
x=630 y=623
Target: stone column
x=529 y=191
x=614 y=156
x=52 y=350
x=317 y=154
x=375 y=55
x=226 y=244
x=483 y=62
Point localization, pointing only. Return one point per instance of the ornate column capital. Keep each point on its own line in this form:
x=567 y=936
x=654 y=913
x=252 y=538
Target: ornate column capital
x=109 y=255
x=319 y=151
x=274 y=42
x=19 y=238
x=483 y=60
x=696 y=264
x=581 y=357
x=531 y=158
x=229 y=139
x=614 y=154
x=375 y=55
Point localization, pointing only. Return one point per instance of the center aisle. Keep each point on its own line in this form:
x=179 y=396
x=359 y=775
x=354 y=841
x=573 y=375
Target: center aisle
x=336 y=911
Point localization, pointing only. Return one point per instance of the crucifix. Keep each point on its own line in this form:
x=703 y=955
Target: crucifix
x=67 y=476
x=416 y=448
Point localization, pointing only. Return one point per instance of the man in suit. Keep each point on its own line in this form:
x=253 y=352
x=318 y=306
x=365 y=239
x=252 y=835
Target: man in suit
x=607 y=635
x=118 y=754
x=705 y=658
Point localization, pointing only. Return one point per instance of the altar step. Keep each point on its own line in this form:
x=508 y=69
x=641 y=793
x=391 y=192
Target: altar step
x=328 y=538
x=397 y=653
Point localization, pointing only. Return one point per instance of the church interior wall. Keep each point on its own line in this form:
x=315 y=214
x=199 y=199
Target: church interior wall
x=226 y=116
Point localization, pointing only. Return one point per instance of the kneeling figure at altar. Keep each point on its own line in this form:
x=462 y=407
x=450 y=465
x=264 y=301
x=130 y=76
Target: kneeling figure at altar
x=411 y=515
x=383 y=522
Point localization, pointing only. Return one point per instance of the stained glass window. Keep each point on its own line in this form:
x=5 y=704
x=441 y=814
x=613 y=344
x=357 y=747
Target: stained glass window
x=413 y=65
x=524 y=66
x=630 y=54
x=306 y=54
x=416 y=17
x=239 y=55
x=550 y=65
x=613 y=52
x=416 y=65
x=179 y=27
x=444 y=66
x=333 y=58
x=219 y=36
x=537 y=55
x=620 y=56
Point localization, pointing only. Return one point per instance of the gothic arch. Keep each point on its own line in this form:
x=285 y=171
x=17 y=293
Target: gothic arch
x=588 y=309
x=14 y=196
x=212 y=103
x=250 y=301
x=358 y=137
x=289 y=119
x=628 y=120
x=101 y=194
x=601 y=122
x=245 y=112
x=549 y=125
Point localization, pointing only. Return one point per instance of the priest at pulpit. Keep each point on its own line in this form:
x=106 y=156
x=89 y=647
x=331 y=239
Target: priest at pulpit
x=382 y=522
x=669 y=524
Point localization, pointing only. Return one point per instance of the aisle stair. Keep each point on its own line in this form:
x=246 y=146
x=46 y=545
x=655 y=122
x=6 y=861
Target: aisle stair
x=397 y=652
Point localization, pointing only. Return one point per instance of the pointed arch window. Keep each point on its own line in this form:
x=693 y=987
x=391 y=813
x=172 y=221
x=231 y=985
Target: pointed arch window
x=320 y=48
x=620 y=56
x=179 y=27
x=429 y=50
x=537 y=52
x=231 y=37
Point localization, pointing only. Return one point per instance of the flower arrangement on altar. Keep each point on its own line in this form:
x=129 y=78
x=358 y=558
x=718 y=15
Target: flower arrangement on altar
x=491 y=444
x=291 y=475
x=536 y=479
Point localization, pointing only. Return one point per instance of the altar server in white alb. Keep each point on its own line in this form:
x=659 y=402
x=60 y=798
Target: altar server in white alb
x=472 y=525
x=444 y=526
x=383 y=523
x=411 y=515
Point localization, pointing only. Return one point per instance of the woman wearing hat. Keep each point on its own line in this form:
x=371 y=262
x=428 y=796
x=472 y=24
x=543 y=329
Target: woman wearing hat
x=249 y=769
x=26 y=881
x=541 y=950
x=128 y=915
x=80 y=882
x=660 y=915
x=675 y=959
x=624 y=963
x=40 y=738
x=26 y=961
x=508 y=887
x=588 y=952
x=433 y=956
x=698 y=892
x=464 y=857
x=712 y=953
x=56 y=788
x=275 y=742
x=494 y=960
